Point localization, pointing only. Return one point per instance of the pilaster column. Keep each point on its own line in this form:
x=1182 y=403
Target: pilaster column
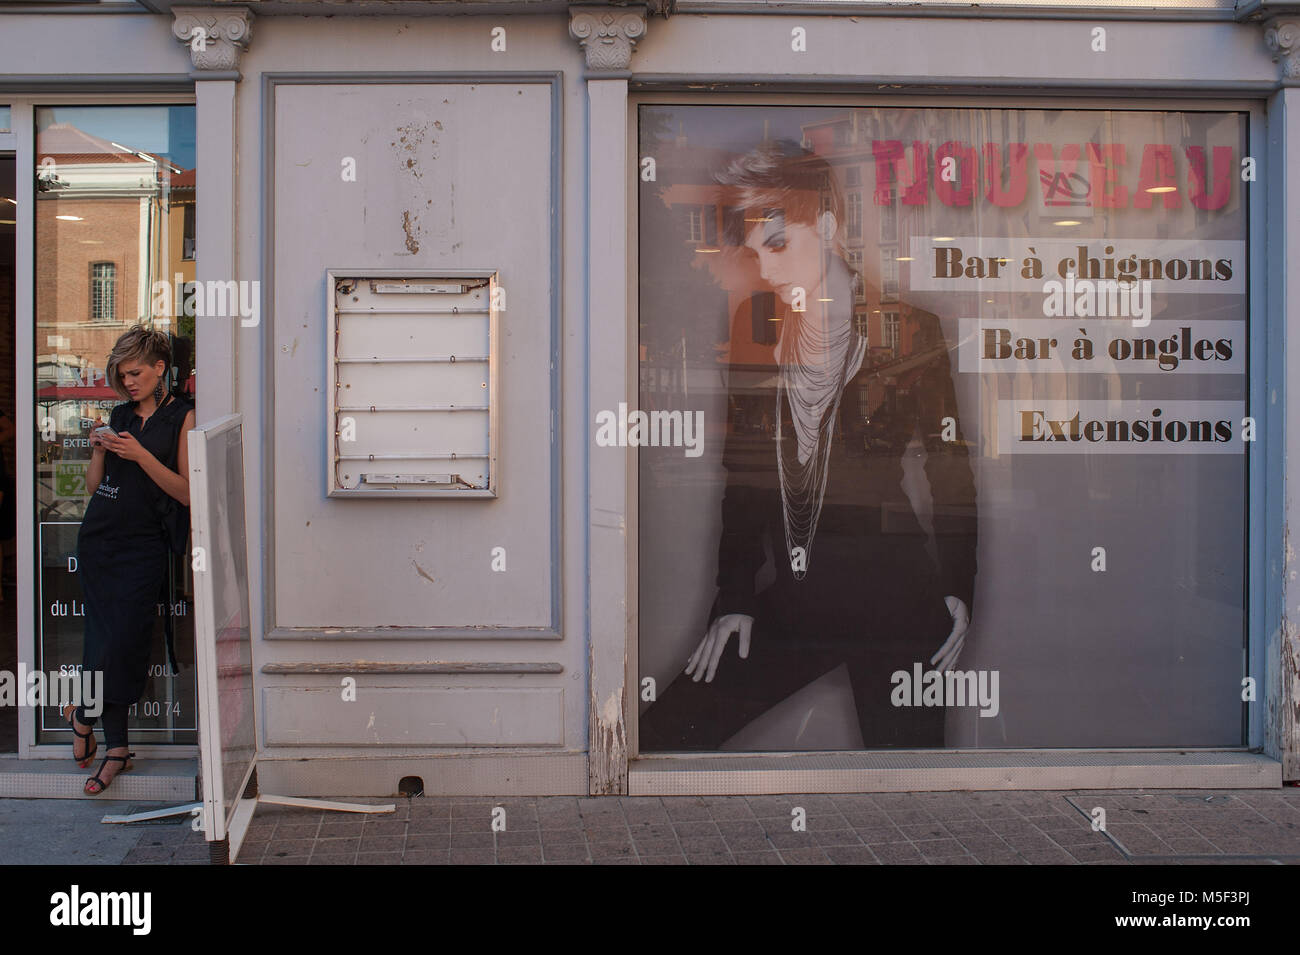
x=216 y=39
x=1281 y=691
x=608 y=37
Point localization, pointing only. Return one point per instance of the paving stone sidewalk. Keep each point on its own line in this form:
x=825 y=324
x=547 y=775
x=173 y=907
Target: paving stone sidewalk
x=967 y=828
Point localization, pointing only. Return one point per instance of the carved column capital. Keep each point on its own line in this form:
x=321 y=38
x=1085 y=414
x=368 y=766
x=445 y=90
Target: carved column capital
x=608 y=35
x=1282 y=35
x=216 y=37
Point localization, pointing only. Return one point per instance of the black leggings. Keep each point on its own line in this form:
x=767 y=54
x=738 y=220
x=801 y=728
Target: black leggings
x=114 y=717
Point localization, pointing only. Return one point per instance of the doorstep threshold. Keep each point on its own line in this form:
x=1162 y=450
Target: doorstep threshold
x=150 y=780
x=934 y=771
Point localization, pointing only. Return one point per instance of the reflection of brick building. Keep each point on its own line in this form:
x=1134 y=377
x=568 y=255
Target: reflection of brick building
x=110 y=222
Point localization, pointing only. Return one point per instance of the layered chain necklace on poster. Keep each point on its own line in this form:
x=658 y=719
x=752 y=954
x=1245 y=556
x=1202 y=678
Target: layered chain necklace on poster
x=815 y=361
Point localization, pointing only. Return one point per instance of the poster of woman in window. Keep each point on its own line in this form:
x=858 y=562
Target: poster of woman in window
x=850 y=558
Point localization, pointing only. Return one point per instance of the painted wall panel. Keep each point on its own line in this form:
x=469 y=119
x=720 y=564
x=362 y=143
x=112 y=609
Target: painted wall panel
x=447 y=176
x=413 y=716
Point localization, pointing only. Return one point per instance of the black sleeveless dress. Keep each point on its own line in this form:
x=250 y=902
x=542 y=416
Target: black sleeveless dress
x=122 y=554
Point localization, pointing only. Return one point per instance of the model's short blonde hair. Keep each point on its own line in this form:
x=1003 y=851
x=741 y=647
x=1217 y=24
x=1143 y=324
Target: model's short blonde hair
x=137 y=344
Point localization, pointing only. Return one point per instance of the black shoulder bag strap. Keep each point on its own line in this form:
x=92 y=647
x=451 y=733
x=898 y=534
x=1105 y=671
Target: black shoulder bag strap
x=172 y=506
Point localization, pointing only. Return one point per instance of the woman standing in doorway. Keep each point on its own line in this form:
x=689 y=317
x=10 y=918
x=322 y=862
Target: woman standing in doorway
x=123 y=545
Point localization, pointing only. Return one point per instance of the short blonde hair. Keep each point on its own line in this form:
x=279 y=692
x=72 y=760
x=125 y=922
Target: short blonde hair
x=137 y=344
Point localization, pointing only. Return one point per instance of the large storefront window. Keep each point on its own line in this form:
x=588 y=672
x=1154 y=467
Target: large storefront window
x=114 y=216
x=942 y=424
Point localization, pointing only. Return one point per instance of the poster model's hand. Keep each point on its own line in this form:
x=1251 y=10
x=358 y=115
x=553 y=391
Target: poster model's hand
x=945 y=658
x=709 y=651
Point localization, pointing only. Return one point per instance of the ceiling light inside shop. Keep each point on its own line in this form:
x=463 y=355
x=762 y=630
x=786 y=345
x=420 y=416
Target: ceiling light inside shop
x=71 y=218
x=943 y=238
x=8 y=221
x=1163 y=189
x=1067 y=222
x=903 y=258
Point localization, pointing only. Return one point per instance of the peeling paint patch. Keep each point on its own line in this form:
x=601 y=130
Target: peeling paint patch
x=423 y=573
x=607 y=745
x=1282 y=718
x=612 y=711
x=411 y=226
x=409 y=140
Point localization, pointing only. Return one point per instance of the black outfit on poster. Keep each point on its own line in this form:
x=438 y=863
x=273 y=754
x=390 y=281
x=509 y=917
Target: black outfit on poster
x=122 y=560
x=872 y=597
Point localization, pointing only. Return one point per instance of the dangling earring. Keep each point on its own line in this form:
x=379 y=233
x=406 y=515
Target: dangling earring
x=158 y=391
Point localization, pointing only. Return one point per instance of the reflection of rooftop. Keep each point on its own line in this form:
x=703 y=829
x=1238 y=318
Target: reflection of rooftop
x=69 y=144
x=907 y=363
x=82 y=160
x=76 y=393
x=746 y=379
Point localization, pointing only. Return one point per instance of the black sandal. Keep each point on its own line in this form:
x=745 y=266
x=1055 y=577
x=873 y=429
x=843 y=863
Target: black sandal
x=84 y=761
x=95 y=780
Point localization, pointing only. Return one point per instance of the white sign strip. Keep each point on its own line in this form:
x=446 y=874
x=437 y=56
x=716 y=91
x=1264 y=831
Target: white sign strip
x=1101 y=347
x=990 y=264
x=1028 y=426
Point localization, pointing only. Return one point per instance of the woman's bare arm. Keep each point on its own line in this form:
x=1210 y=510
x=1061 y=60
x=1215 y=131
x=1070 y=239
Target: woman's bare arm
x=170 y=482
x=95 y=472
